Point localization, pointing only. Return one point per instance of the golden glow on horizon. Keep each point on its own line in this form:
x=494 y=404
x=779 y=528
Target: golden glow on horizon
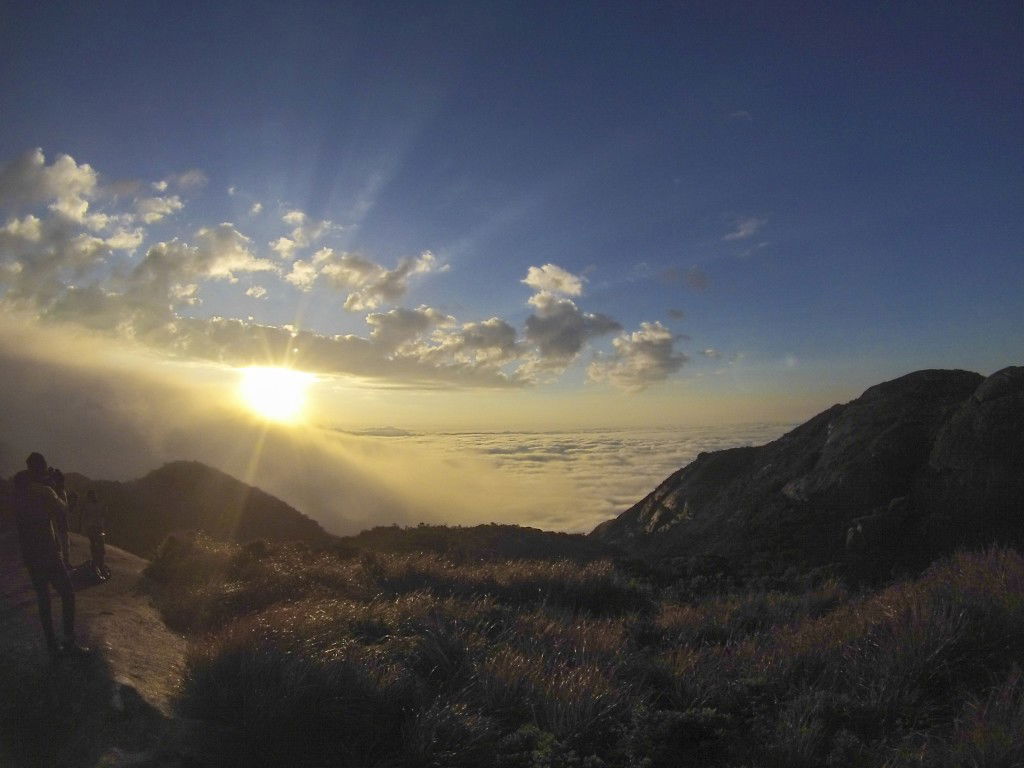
x=276 y=394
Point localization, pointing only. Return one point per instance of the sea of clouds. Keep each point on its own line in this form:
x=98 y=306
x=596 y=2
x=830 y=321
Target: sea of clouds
x=571 y=481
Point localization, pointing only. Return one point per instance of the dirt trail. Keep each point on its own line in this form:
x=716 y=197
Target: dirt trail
x=111 y=708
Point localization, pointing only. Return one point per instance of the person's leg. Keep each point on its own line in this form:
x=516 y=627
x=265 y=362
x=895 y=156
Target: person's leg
x=62 y=583
x=42 y=587
x=102 y=549
x=98 y=552
x=64 y=539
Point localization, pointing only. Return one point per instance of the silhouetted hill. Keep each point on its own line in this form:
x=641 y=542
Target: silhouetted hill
x=906 y=472
x=187 y=495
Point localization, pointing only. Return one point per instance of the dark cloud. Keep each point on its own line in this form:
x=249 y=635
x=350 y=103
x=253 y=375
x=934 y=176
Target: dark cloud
x=640 y=358
x=559 y=328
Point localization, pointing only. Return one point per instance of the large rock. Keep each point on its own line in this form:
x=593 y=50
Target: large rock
x=911 y=468
x=975 y=470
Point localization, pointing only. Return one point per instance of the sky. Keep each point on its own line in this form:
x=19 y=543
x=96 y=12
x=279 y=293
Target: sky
x=515 y=216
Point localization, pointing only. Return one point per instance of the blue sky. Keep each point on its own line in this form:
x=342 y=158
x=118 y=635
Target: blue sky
x=739 y=198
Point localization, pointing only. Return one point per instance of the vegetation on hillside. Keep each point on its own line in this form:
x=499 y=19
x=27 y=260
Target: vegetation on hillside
x=312 y=657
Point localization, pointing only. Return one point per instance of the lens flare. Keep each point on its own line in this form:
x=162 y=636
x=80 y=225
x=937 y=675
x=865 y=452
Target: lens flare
x=276 y=394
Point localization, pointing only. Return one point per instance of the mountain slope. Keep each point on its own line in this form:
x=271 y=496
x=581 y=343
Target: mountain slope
x=190 y=495
x=903 y=473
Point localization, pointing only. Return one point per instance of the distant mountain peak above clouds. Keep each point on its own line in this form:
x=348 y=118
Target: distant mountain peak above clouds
x=189 y=495
x=909 y=470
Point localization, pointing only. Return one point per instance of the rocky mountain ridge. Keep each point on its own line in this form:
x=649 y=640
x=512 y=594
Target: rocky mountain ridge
x=906 y=472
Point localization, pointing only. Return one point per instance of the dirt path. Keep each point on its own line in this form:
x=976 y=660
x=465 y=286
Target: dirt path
x=112 y=707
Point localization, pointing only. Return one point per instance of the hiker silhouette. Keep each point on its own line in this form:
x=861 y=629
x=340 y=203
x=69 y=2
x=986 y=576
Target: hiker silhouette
x=39 y=512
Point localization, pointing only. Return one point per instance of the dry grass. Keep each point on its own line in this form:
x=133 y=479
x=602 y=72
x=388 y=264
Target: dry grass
x=310 y=658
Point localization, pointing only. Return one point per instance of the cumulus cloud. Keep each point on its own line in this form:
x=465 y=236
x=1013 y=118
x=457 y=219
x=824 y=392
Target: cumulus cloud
x=38 y=256
x=305 y=231
x=369 y=284
x=60 y=260
x=559 y=328
x=64 y=184
x=125 y=239
x=550 y=278
x=142 y=304
x=219 y=253
x=303 y=275
x=490 y=341
x=745 y=228
x=398 y=327
x=153 y=209
x=256 y=208
x=640 y=358
x=190 y=179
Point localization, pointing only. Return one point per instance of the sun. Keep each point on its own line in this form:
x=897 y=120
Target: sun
x=276 y=394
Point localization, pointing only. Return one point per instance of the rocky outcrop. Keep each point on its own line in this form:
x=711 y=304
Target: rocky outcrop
x=911 y=468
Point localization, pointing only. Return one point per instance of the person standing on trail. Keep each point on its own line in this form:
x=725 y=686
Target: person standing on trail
x=37 y=508
x=93 y=523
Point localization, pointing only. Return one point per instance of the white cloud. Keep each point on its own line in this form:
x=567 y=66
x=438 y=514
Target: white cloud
x=55 y=264
x=153 y=209
x=745 y=228
x=28 y=229
x=303 y=275
x=190 y=179
x=369 y=284
x=712 y=353
x=125 y=239
x=551 y=278
x=65 y=185
x=169 y=273
x=38 y=256
x=284 y=247
x=305 y=232
x=256 y=209
x=640 y=358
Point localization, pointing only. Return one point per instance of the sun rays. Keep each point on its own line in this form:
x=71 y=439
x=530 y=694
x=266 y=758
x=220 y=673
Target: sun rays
x=275 y=394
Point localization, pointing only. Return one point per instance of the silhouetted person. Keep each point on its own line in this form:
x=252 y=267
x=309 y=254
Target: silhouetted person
x=37 y=508
x=94 y=523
